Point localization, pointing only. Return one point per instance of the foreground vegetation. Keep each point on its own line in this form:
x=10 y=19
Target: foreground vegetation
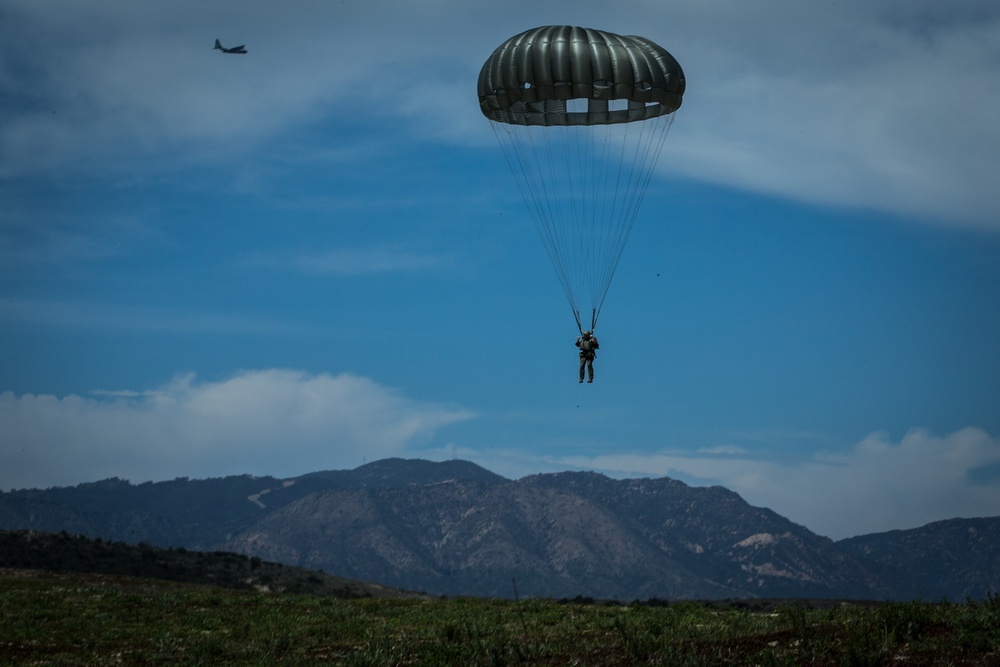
x=87 y=619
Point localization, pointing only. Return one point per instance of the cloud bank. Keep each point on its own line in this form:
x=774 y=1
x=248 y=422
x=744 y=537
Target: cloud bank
x=265 y=422
x=885 y=106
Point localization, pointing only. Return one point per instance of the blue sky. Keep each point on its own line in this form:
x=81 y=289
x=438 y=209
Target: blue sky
x=314 y=255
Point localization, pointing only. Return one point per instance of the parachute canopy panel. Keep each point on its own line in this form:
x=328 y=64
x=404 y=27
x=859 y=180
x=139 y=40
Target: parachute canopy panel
x=535 y=77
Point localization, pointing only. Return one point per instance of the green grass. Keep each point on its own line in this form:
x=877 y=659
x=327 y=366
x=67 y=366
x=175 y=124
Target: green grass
x=81 y=619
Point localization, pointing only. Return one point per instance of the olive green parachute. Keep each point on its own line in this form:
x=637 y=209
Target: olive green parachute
x=582 y=116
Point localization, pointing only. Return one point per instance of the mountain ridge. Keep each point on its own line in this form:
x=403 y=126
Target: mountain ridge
x=456 y=528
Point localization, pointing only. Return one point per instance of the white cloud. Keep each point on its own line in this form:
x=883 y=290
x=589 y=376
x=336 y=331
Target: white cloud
x=129 y=82
x=847 y=107
x=885 y=105
x=878 y=485
x=267 y=422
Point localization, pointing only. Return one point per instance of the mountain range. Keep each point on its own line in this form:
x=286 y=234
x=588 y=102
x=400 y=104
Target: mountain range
x=454 y=528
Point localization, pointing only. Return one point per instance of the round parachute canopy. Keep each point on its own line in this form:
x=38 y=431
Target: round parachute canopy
x=530 y=78
x=582 y=116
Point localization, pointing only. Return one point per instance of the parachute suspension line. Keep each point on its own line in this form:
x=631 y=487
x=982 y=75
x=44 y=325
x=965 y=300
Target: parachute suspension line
x=629 y=172
x=583 y=186
x=616 y=135
x=602 y=218
x=648 y=144
x=560 y=228
x=555 y=227
x=524 y=158
x=578 y=213
x=580 y=207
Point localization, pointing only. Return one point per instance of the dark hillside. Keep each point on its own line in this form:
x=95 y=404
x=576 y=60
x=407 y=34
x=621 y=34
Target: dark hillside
x=954 y=559
x=560 y=535
x=396 y=472
x=713 y=531
x=61 y=552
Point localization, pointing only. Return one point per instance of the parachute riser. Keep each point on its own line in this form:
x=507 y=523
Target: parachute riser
x=579 y=323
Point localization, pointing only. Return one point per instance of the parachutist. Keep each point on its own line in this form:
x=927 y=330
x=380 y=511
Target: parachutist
x=588 y=345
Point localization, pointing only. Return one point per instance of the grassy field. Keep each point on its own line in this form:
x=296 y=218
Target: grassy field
x=79 y=619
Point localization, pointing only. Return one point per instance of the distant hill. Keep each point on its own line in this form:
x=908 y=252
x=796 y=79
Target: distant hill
x=399 y=473
x=455 y=528
x=955 y=559
x=61 y=552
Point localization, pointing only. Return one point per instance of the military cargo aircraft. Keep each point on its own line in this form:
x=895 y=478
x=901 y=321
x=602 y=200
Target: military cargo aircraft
x=236 y=49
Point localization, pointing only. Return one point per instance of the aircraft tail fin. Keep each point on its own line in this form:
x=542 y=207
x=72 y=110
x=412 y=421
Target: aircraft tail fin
x=218 y=45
